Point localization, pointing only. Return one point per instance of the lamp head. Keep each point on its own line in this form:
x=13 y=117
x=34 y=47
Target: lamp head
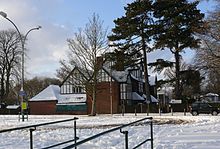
x=3 y=14
x=39 y=27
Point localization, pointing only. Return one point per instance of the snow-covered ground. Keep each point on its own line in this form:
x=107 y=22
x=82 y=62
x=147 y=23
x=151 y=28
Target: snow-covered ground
x=170 y=132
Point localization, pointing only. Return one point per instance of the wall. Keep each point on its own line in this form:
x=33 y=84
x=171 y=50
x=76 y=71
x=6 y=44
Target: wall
x=42 y=107
x=103 y=101
x=71 y=109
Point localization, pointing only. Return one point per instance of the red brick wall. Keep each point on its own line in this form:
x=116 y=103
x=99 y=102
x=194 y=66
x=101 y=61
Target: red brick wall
x=103 y=101
x=42 y=107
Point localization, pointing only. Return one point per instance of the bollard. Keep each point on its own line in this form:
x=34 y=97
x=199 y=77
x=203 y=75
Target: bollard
x=148 y=108
x=135 y=111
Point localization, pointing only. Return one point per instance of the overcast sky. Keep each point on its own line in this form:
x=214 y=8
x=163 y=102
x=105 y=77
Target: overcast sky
x=59 y=20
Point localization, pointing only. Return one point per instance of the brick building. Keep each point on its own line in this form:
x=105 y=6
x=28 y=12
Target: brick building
x=117 y=91
x=51 y=101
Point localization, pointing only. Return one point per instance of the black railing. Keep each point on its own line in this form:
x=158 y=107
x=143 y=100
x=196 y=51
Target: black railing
x=33 y=128
x=124 y=132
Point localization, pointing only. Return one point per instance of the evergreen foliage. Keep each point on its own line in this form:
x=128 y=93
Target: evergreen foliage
x=131 y=34
x=177 y=21
x=160 y=64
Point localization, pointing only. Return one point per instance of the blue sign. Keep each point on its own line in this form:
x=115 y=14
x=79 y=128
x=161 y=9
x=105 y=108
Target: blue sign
x=22 y=93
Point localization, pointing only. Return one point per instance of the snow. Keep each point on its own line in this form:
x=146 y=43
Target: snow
x=212 y=94
x=152 y=79
x=13 y=106
x=52 y=92
x=68 y=98
x=153 y=99
x=120 y=76
x=49 y=93
x=170 y=132
x=136 y=96
x=79 y=103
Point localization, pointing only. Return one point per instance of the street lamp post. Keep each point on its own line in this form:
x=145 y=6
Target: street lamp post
x=22 y=39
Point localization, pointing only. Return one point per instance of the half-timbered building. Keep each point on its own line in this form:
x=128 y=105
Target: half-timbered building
x=117 y=91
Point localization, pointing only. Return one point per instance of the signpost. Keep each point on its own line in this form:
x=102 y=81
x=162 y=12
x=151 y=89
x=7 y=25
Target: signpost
x=22 y=93
x=24 y=113
x=173 y=101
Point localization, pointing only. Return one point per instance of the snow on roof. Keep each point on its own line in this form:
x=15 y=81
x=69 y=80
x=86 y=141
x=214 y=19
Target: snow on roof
x=152 y=80
x=72 y=98
x=80 y=103
x=50 y=93
x=13 y=106
x=212 y=94
x=136 y=96
x=120 y=76
x=153 y=99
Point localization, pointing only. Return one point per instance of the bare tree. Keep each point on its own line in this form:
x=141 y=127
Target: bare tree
x=86 y=45
x=207 y=58
x=9 y=60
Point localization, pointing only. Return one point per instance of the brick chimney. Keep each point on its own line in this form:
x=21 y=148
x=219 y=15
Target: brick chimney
x=99 y=61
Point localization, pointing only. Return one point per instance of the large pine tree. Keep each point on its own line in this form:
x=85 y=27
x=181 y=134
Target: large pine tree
x=176 y=25
x=131 y=35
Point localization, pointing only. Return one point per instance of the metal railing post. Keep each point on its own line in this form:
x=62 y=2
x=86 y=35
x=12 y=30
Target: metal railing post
x=151 y=134
x=75 y=132
x=31 y=137
x=126 y=138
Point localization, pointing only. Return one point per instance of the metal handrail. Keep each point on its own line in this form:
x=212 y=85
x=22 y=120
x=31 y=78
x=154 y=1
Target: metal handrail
x=33 y=128
x=37 y=125
x=114 y=129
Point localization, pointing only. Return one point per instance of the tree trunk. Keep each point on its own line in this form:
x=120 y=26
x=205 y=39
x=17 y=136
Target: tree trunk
x=7 y=88
x=93 y=111
x=147 y=86
x=2 y=89
x=2 y=85
x=94 y=88
x=177 y=85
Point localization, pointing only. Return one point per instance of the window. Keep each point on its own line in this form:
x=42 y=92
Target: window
x=73 y=84
x=103 y=76
x=140 y=87
x=123 y=91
